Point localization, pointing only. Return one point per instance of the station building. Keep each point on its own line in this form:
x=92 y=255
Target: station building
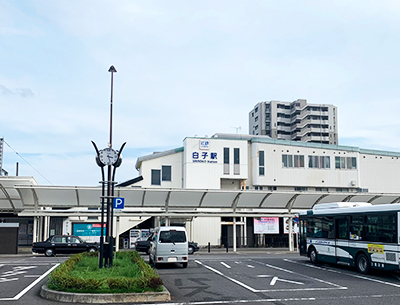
x=303 y=174
x=228 y=190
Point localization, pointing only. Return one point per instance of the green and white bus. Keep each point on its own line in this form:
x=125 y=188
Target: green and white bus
x=352 y=233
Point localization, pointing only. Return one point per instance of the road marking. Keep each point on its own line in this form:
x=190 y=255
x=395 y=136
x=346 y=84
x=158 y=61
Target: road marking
x=264 y=275
x=302 y=275
x=319 y=299
x=250 y=266
x=345 y=273
x=273 y=281
x=19 y=295
x=227 y=277
x=226 y=265
x=3 y=280
x=270 y=290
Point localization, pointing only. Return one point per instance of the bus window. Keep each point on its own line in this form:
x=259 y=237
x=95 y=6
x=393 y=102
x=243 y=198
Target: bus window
x=342 y=229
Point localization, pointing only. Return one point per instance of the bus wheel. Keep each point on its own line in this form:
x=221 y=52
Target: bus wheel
x=362 y=263
x=313 y=255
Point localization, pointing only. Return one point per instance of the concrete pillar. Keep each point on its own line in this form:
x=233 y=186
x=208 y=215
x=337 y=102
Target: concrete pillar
x=234 y=234
x=35 y=231
x=291 y=242
x=245 y=231
x=117 y=234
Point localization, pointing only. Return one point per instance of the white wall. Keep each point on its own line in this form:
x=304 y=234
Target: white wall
x=175 y=160
x=207 y=174
x=207 y=230
x=380 y=174
x=277 y=175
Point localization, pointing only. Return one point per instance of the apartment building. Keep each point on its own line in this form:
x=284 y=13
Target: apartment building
x=295 y=121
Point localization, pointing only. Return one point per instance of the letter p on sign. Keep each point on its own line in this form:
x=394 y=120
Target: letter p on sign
x=119 y=203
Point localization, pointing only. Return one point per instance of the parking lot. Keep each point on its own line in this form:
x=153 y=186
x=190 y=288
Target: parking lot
x=226 y=278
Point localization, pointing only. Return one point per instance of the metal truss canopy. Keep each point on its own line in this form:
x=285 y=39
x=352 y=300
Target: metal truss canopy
x=24 y=195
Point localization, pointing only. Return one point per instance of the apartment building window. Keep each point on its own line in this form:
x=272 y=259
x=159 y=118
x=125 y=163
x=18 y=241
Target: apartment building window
x=292 y=161
x=319 y=162
x=236 y=161
x=272 y=188
x=155 y=177
x=226 y=160
x=166 y=172
x=301 y=188
x=345 y=162
x=322 y=189
x=261 y=168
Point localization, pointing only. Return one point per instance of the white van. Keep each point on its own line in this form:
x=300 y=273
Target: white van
x=169 y=245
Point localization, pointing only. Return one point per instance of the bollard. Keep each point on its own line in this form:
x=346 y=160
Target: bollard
x=209 y=247
x=226 y=247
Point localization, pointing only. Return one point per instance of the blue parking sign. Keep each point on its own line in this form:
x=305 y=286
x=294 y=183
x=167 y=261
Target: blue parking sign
x=119 y=203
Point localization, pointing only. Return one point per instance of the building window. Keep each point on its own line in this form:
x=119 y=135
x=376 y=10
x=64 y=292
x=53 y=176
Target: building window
x=345 y=162
x=292 y=161
x=155 y=177
x=322 y=189
x=272 y=188
x=166 y=172
x=236 y=161
x=319 y=162
x=226 y=160
x=300 y=188
x=261 y=168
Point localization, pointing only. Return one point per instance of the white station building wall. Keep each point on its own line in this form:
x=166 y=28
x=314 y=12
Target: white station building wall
x=200 y=165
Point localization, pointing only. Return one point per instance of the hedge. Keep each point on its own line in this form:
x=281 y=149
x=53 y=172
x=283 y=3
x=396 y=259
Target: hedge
x=61 y=279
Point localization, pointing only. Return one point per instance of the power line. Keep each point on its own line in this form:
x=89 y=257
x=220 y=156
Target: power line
x=27 y=162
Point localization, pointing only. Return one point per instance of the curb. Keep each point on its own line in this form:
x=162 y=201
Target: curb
x=104 y=298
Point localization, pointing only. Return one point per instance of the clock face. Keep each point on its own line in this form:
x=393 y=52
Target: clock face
x=108 y=156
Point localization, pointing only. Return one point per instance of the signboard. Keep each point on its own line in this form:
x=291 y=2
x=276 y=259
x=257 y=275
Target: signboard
x=295 y=225
x=134 y=235
x=89 y=232
x=204 y=144
x=119 y=203
x=204 y=157
x=266 y=225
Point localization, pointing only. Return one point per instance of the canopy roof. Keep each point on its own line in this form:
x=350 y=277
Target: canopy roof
x=21 y=194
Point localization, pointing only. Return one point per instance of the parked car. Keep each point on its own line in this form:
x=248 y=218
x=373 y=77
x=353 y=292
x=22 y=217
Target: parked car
x=64 y=244
x=144 y=246
x=169 y=245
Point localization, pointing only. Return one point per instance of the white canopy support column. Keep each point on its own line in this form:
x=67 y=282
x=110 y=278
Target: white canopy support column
x=291 y=241
x=234 y=234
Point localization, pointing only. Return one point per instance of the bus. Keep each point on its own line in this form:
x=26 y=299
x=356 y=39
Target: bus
x=356 y=234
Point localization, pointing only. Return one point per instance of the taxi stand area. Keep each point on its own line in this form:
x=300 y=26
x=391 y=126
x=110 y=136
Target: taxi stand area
x=22 y=196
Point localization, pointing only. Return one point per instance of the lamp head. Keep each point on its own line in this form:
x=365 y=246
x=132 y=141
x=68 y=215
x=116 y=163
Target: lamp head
x=112 y=69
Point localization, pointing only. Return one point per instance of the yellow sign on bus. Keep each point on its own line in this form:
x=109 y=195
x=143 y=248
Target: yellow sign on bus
x=373 y=248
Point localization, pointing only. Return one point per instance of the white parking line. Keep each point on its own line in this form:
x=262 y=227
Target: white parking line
x=226 y=265
x=345 y=273
x=19 y=295
x=335 y=286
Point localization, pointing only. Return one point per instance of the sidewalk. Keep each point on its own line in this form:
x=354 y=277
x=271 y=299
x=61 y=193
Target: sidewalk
x=246 y=250
x=26 y=250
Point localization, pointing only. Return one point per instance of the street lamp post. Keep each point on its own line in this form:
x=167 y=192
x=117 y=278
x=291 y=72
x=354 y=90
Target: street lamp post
x=111 y=158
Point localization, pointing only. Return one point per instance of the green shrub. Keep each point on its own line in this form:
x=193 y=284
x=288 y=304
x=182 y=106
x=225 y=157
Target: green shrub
x=80 y=273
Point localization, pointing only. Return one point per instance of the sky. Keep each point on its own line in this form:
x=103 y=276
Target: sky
x=185 y=68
